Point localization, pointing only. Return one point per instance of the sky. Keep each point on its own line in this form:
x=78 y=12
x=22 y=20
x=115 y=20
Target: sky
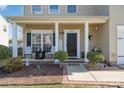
x=12 y=10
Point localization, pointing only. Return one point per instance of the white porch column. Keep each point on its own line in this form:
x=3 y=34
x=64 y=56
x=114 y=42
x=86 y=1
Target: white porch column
x=14 y=40
x=86 y=31
x=56 y=37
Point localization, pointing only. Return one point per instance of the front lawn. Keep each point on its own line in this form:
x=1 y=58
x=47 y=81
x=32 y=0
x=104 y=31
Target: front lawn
x=33 y=75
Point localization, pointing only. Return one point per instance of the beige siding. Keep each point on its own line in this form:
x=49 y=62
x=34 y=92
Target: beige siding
x=116 y=18
x=83 y=10
x=93 y=41
x=103 y=39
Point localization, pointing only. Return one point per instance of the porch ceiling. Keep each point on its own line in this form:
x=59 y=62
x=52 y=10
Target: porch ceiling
x=22 y=20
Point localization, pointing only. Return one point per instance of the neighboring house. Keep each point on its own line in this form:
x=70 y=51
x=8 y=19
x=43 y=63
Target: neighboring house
x=4 y=32
x=68 y=27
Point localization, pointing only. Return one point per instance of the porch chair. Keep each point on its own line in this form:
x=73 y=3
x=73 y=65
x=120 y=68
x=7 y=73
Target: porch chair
x=27 y=52
x=50 y=54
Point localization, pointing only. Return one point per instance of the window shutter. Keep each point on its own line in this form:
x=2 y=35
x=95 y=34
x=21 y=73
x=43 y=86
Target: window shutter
x=28 y=39
x=53 y=39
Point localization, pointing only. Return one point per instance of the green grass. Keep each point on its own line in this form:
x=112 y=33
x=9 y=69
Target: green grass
x=56 y=86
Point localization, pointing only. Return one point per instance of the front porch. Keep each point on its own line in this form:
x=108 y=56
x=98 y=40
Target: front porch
x=71 y=34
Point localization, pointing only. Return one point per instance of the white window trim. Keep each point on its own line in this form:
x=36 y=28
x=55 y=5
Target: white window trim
x=71 y=13
x=54 y=13
x=41 y=32
x=37 y=12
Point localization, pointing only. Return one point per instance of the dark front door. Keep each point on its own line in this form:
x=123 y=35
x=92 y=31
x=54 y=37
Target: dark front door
x=72 y=44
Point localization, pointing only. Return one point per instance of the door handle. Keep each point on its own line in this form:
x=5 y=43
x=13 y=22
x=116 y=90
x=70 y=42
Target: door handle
x=120 y=56
x=120 y=38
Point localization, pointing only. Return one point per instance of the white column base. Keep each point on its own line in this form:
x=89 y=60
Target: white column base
x=86 y=60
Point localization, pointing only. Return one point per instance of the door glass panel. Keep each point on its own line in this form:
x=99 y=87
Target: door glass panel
x=36 y=42
x=47 y=42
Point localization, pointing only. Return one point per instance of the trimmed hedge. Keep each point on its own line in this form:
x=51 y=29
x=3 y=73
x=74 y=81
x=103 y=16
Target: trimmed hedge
x=61 y=55
x=13 y=64
x=5 y=52
x=95 y=57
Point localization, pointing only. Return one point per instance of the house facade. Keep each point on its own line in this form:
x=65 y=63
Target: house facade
x=4 y=39
x=72 y=28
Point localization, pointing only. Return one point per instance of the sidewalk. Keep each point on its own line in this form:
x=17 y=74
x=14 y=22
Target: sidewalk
x=77 y=74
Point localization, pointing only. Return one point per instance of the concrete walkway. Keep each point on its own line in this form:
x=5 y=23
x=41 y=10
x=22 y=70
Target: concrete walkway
x=113 y=76
x=79 y=73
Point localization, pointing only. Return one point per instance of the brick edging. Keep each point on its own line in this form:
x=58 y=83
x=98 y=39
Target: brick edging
x=102 y=83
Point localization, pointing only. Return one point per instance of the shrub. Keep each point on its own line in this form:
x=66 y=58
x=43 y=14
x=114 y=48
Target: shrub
x=95 y=57
x=5 y=52
x=13 y=64
x=61 y=56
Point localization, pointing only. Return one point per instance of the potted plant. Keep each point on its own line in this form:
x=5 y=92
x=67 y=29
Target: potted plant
x=95 y=57
x=61 y=56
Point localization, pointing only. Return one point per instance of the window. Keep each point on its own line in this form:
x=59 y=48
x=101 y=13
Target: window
x=36 y=9
x=47 y=42
x=42 y=42
x=71 y=9
x=36 y=42
x=28 y=39
x=53 y=9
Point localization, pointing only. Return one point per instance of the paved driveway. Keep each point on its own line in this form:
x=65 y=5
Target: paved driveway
x=79 y=73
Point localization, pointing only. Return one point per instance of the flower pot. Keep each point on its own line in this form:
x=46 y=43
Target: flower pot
x=56 y=61
x=61 y=65
x=27 y=62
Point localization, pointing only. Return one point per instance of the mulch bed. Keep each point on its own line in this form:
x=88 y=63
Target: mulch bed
x=33 y=75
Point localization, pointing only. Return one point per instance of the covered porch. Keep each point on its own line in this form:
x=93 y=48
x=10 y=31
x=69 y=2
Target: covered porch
x=50 y=34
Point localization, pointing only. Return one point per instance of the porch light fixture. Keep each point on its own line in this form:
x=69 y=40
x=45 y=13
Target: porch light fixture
x=96 y=28
x=61 y=33
x=90 y=36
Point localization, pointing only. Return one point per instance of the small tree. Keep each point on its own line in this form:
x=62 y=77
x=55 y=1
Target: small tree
x=61 y=56
x=5 y=52
x=95 y=57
